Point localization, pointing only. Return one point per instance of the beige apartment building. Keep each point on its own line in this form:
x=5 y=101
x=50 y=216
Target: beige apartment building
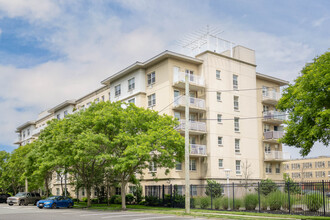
x=233 y=120
x=309 y=169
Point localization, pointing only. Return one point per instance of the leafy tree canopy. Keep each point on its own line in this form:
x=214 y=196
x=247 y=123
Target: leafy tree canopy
x=307 y=101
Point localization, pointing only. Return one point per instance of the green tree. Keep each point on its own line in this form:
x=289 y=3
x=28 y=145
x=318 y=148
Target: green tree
x=213 y=189
x=293 y=187
x=267 y=186
x=307 y=101
x=4 y=156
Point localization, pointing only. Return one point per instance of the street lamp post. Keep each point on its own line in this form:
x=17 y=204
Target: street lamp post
x=227 y=171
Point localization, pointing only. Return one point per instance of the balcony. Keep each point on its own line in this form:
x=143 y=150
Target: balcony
x=37 y=131
x=195 y=127
x=276 y=156
x=197 y=150
x=195 y=104
x=273 y=136
x=195 y=82
x=274 y=117
x=18 y=140
x=271 y=98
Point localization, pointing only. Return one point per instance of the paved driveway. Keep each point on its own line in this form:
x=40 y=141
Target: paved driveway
x=33 y=213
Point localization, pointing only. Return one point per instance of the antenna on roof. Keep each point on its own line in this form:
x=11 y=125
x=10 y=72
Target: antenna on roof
x=206 y=38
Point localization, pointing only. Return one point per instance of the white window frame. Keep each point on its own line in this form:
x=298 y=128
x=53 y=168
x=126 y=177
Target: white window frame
x=152 y=167
x=220 y=141
x=151 y=100
x=151 y=77
x=117 y=90
x=238 y=167
x=218 y=96
x=236 y=124
x=265 y=91
x=268 y=168
x=237 y=146
x=236 y=103
x=277 y=169
x=131 y=84
x=219 y=118
x=235 y=82
x=178 y=166
x=131 y=101
x=217 y=74
x=58 y=116
x=220 y=163
x=65 y=113
x=192 y=165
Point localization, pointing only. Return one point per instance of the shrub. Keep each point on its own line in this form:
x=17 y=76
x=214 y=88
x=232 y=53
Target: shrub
x=138 y=193
x=224 y=202
x=179 y=201
x=197 y=201
x=251 y=201
x=237 y=204
x=263 y=203
x=213 y=189
x=205 y=202
x=217 y=203
x=267 y=186
x=192 y=203
x=129 y=198
x=84 y=199
x=152 y=201
x=314 y=202
x=285 y=200
x=142 y=203
x=274 y=200
x=115 y=199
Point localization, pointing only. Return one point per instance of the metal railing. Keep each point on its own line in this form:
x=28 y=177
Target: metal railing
x=197 y=149
x=193 y=125
x=271 y=95
x=274 y=115
x=276 y=155
x=273 y=134
x=193 y=103
x=180 y=77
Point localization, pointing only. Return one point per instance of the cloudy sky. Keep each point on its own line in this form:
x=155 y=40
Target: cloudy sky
x=51 y=51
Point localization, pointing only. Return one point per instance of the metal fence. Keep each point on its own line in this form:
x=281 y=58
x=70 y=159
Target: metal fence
x=306 y=198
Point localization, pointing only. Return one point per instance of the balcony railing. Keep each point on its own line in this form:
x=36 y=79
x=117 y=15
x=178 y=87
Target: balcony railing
x=276 y=155
x=194 y=125
x=196 y=149
x=37 y=131
x=271 y=96
x=193 y=102
x=276 y=115
x=273 y=134
x=180 y=77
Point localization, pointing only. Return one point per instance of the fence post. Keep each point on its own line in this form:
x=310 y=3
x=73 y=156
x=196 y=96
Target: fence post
x=323 y=198
x=163 y=194
x=289 y=197
x=211 y=196
x=171 y=195
x=259 y=195
x=233 y=196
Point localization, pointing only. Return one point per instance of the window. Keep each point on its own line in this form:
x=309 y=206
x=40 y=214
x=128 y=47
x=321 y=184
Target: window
x=219 y=118
x=217 y=74
x=95 y=192
x=28 y=132
x=118 y=191
x=151 y=78
x=65 y=113
x=152 y=100
x=102 y=98
x=220 y=141
x=220 y=162
x=319 y=164
x=178 y=189
x=131 y=100
x=131 y=84
x=320 y=174
x=268 y=168
x=295 y=166
x=307 y=165
x=235 y=82
x=267 y=148
x=109 y=96
x=97 y=100
x=193 y=190
x=295 y=175
x=219 y=96
x=264 y=91
x=329 y=166
x=236 y=124
x=265 y=108
x=308 y=174
x=152 y=167
x=178 y=166
x=117 y=90
x=58 y=117
x=177 y=115
x=132 y=189
x=238 y=167
x=57 y=191
x=192 y=164
x=236 y=106
x=237 y=147
x=266 y=128
x=277 y=168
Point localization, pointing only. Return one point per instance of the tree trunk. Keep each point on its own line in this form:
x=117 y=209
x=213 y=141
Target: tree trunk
x=123 y=194
x=88 y=189
x=108 y=193
x=46 y=187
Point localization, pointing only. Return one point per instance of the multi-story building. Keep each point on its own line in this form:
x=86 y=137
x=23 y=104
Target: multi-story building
x=308 y=169
x=233 y=121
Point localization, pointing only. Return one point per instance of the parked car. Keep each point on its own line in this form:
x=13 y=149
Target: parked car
x=327 y=194
x=24 y=198
x=55 y=202
x=3 y=197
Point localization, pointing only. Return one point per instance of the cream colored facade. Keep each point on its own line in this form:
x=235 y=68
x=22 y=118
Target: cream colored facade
x=308 y=169
x=226 y=112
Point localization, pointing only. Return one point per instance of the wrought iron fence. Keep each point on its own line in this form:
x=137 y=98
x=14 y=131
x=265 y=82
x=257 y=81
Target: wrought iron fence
x=305 y=198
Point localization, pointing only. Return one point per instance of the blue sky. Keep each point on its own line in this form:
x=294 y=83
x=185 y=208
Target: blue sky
x=51 y=51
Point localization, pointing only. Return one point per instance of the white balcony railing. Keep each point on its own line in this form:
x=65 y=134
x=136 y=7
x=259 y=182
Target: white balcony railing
x=37 y=131
x=271 y=96
x=180 y=77
x=277 y=155
x=274 y=115
x=194 y=125
x=196 y=149
x=193 y=102
x=273 y=134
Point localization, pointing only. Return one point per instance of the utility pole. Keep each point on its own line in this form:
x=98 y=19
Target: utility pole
x=65 y=193
x=26 y=185
x=187 y=147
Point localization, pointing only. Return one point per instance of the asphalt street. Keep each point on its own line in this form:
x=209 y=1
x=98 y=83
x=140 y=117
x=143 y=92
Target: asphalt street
x=33 y=213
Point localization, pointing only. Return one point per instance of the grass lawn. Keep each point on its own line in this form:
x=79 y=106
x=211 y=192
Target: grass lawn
x=197 y=212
